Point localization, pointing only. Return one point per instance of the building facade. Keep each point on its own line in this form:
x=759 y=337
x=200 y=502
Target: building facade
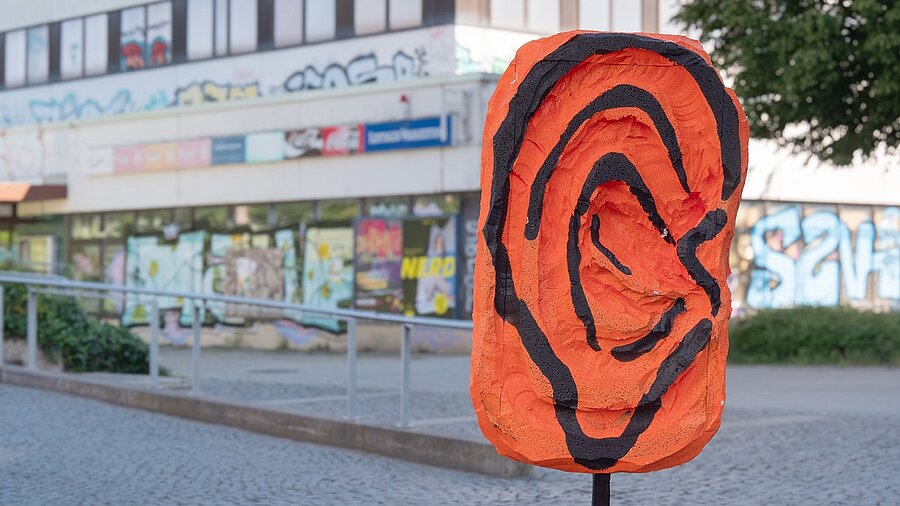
x=328 y=152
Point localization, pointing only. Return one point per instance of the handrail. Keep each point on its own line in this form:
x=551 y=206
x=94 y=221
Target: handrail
x=68 y=287
x=16 y=277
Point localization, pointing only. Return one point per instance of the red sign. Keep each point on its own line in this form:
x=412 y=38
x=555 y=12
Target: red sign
x=343 y=140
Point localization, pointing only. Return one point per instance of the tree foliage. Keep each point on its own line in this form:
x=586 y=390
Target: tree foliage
x=822 y=76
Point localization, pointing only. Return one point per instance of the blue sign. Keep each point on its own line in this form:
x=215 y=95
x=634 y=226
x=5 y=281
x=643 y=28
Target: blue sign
x=228 y=150
x=416 y=133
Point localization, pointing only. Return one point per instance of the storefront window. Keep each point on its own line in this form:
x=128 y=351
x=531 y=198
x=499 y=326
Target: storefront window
x=388 y=207
x=256 y=216
x=86 y=261
x=183 y=218
x=436 y=205
x=114 y=273
x=293 y=214
x=117 y=225
x=87 y=226
x=338 y=210
x=212 y=218
x=153 y=221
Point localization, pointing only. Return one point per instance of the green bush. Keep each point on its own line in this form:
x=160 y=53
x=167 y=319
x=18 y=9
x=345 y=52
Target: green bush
x=68 y=335
x=816 y=335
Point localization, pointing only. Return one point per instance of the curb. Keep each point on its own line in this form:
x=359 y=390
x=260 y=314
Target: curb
x=412 y=446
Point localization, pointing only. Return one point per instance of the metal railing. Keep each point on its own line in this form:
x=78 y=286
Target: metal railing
x=66 y=287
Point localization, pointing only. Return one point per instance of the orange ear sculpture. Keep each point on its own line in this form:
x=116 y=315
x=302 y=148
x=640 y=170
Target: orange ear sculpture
x=612 y=171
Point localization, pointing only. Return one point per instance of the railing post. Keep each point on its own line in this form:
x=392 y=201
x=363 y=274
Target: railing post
x=351 y=367
x=2 y=324
x=404 y=376
x=32 y=330
x=154 y=343
x=195 y=347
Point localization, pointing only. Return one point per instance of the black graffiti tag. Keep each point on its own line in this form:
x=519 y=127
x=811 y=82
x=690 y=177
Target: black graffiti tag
x=360 y=70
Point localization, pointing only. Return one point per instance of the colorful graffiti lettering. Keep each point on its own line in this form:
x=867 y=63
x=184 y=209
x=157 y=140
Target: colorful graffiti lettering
x=147 y=43
x=209 y=91
x=71 y=107
x=363 y=69
x=247 y=265
x=814 y=255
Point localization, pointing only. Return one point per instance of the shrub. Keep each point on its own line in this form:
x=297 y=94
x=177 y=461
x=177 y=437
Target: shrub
x=816 y=335
x=69 y=335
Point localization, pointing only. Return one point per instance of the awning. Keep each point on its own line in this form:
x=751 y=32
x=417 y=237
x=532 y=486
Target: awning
x=15 y=192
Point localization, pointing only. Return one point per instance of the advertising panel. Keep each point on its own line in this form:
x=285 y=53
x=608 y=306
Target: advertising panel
x=428 y=268
x=327 y=272
x=228 y=150
x=343 y=140
x=195 y=153
x=159 y=156
x=415 y=133
x=379 y=251
x=264 y=147
x=302 y=142
x=128 y=159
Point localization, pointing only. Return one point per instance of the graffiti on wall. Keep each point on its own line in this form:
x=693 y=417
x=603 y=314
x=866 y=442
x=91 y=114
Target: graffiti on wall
x=801 y=254
x=243 y=264
x=380 y=59
x=327 y=272
x=71 y=107
x=203 y=92
x=363 y=69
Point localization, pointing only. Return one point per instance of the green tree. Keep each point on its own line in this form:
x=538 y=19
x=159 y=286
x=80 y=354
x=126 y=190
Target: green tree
x=822 y=76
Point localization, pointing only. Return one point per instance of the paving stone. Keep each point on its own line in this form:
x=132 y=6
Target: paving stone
x=62 y=450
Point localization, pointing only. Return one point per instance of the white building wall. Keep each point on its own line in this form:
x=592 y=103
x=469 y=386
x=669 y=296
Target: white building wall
x=418 y=171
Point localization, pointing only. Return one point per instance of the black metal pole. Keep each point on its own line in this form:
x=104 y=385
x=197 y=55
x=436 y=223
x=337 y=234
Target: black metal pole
x=601 y=490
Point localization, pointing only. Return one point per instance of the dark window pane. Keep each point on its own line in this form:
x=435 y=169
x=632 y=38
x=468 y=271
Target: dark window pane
x=212 y=218
x=388 y=207
x=436 y=205
x=255 y=216
x=153 y=221
x=87 y=226
x=293 y=214
x=118 y=224
x=338 y=209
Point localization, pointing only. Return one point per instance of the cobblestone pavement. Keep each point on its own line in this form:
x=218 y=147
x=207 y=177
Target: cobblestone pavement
x=64 y=450
x=56 y=449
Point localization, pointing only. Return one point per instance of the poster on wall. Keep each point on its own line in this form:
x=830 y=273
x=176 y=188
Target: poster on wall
x=159 y=265
x=468 y=247
x=302 y=142
x=226 y=150
x=327 y=272
x=379 y=251
x=428 y=268
x=343 y=140
x=262 y=147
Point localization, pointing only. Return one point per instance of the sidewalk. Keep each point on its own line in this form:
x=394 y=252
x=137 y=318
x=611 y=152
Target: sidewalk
x=315 y=384
x=790 y=435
